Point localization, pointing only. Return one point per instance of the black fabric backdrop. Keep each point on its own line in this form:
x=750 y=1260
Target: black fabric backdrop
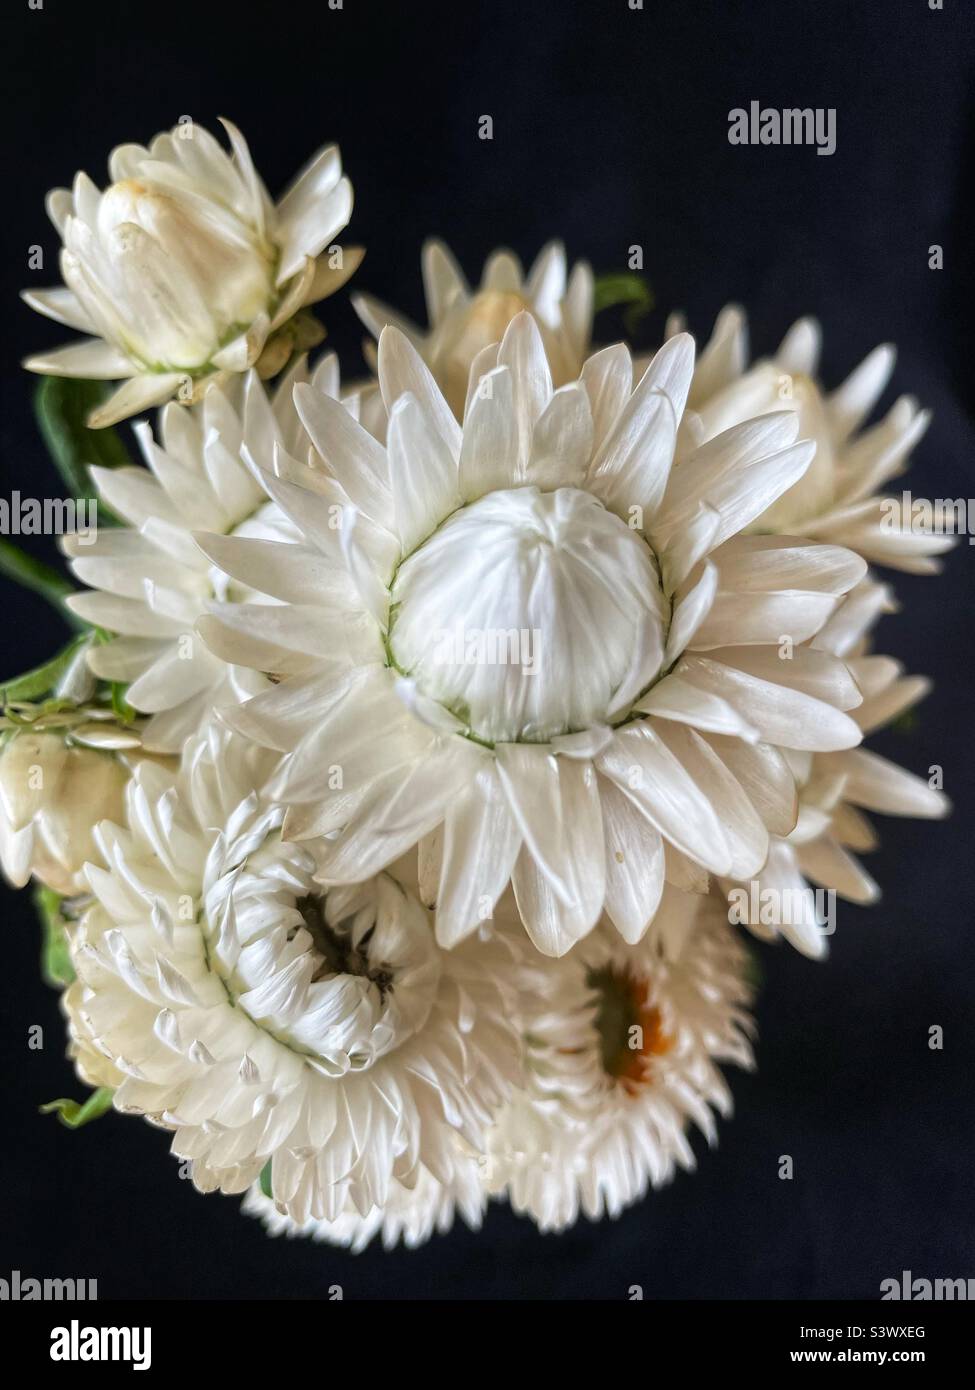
x=610 y=128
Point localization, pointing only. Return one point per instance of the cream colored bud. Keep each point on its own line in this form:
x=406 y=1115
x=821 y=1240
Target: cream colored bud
x=52 y=795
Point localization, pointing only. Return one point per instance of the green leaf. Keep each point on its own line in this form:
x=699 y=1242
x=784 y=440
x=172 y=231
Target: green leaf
x=265 y=1179
x=74 y=1114
x=56 y=967
x=32 y=685
x=61 y=406
x=624 y=288
x=38 y=576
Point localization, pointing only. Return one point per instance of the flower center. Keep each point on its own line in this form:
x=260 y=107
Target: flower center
x=339 y=955
x=468 y=330
x=341 y=978
x=530 y=614
x=630 y=1030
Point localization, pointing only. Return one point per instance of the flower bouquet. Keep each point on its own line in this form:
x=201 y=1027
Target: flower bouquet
x=431 y=743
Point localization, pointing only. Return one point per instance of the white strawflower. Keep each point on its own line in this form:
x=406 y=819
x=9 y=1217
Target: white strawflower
x=260 y=1017
x=463 y=322
x=621 y=1050
x=530 y=640
x=183 y=269
x=150 y=580
x=840 y=497
x=60 y=773
x=835 y=789
x=410 y=1215
x=92 y=1065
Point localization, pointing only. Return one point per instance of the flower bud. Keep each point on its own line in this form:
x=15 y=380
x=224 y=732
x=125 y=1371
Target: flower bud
x=183 y=269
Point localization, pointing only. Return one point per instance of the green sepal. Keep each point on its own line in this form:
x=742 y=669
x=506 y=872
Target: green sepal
x=265 y=1180
x=62 y=406
x=73 y=1114
x=121 y=708
x=624 y=288
x=32 y=685
x=56 y=967
x=907 y=722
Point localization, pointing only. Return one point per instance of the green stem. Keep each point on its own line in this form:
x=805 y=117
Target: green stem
x=39 y=577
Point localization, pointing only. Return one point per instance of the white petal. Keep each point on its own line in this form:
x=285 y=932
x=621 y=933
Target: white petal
x=423 y=476
x=553 y=925
x=480 y=845
x=676 y=698
x=137 y=394
x=314 y=210
x=647 y=772
x=562 y=440
x=443 y=279
x=546 y=282
x=791 y=898
x=691 y=610
x=608 y=379
x=713 y=474
x=391 y=824
x=798 y=352
x=60 y=304
x=815 y=673
x=671 y=371
x=744 y=618
x=766 y=778
x=744 y=830
x=269 y=637
x=125 y=658
x=852 y=402
x=171 y=680
x=782 y=716
x=375 y=315
x=555 y=804
x=281 y=716
x=327 y=278
x=288 y=572
x=352 y=455
x=829 y=865
x=489 y=459
x=725 y=357
x=880 y=785
x=92 y=359
x=523 y=351
x=633 y=465
x=402 y=369
x=634 y=864
x=502 y=271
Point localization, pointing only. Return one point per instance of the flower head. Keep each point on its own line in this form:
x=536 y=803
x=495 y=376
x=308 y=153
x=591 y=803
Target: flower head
x=264 y=1019
x=834 y=790
x=839 y=499
x=532 y=644
x=621 y=1046
x=62 y=770
x=463 y=322
x=150 y=582
x=183 y=269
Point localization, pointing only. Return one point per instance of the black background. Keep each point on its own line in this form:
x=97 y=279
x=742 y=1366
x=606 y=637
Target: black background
x=610 y=128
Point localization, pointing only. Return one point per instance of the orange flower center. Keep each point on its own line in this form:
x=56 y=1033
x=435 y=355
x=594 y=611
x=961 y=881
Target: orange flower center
x=630 y=1028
